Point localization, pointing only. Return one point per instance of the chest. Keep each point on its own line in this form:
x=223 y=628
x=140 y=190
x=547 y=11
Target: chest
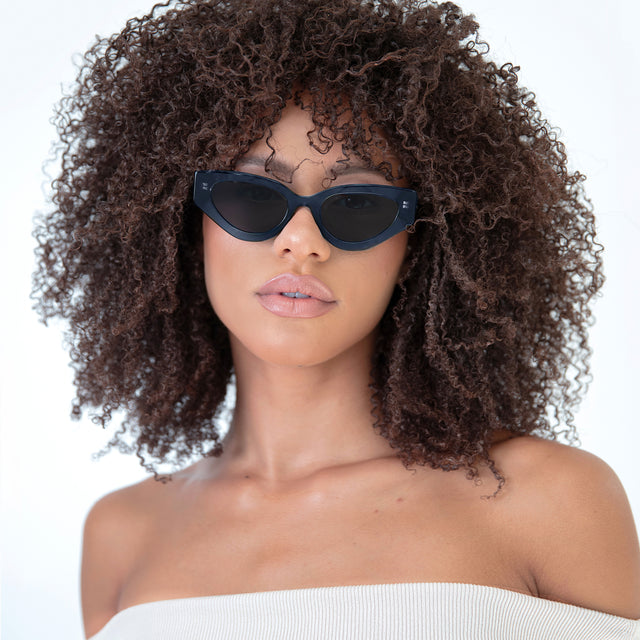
x=230 y=544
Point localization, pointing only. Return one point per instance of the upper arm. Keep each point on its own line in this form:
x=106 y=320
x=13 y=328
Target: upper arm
x=583 y=543
x=106 y=559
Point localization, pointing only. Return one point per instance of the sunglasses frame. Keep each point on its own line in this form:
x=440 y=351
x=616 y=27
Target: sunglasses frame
x=406 y=199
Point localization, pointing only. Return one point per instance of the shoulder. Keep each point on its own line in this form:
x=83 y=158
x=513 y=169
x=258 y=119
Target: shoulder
x=114 y=531
x=121 y=512
x=575 y=524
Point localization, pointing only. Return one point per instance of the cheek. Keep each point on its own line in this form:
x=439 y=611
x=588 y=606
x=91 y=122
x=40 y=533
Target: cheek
x=376 y=277
x=387 y=265
x=222 y=269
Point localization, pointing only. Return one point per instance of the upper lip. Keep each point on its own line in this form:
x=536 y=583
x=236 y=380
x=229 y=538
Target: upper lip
x=289 y=283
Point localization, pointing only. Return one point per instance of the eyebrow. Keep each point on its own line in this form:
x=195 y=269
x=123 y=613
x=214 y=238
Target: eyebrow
x=284 y=168
x=261 y=162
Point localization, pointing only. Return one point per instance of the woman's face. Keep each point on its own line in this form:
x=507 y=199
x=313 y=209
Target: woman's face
x=248 y=282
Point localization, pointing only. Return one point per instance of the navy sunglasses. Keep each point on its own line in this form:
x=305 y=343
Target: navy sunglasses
x=351 y=217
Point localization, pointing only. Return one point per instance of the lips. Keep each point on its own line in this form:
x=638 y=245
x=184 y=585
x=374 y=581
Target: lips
x=292 y=296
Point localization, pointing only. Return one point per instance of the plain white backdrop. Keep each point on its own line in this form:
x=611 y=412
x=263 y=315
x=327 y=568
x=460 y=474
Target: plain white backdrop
x=581 y=60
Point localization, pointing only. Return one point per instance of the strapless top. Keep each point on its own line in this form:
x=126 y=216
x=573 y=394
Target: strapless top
x=405 y=611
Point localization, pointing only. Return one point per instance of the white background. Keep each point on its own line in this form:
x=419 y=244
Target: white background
x=578 y=56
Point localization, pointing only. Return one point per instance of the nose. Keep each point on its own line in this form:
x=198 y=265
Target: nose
x=301 y=239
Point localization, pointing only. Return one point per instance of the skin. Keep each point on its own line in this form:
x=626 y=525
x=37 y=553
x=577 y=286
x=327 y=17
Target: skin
x=307 y=494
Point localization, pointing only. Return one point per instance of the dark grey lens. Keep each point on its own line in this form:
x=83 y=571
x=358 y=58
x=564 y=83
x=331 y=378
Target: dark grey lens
x=354 y=217
x=249 y=207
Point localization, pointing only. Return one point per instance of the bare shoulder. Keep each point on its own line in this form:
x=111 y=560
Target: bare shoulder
x=576 y=526
x=113 y=533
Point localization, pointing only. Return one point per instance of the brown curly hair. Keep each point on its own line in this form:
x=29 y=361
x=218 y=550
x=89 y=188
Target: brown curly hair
x=487 y=330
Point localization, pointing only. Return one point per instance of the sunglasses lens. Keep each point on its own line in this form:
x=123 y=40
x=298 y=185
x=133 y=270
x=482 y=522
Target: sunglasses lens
x=248 y=206
x=355 y=217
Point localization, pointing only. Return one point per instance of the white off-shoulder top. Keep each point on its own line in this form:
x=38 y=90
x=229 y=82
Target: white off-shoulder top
x=406 y=611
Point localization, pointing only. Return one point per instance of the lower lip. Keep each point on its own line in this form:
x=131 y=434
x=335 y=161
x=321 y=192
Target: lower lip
x=294 y=307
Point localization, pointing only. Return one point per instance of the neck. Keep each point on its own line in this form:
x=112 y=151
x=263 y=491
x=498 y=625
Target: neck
x=290 y=422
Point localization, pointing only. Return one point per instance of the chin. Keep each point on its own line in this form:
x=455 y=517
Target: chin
x=297 y=356
x=302 y=352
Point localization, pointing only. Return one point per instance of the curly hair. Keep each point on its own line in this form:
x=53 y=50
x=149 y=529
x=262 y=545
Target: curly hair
x=487 y=330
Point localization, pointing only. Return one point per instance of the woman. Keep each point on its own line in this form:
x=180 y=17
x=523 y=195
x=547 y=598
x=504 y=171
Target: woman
x=399 y=351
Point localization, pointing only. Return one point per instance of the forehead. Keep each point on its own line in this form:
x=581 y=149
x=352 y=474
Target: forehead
x=295 y=140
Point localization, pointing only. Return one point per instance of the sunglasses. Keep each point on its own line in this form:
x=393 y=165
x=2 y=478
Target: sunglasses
x=351 y=217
